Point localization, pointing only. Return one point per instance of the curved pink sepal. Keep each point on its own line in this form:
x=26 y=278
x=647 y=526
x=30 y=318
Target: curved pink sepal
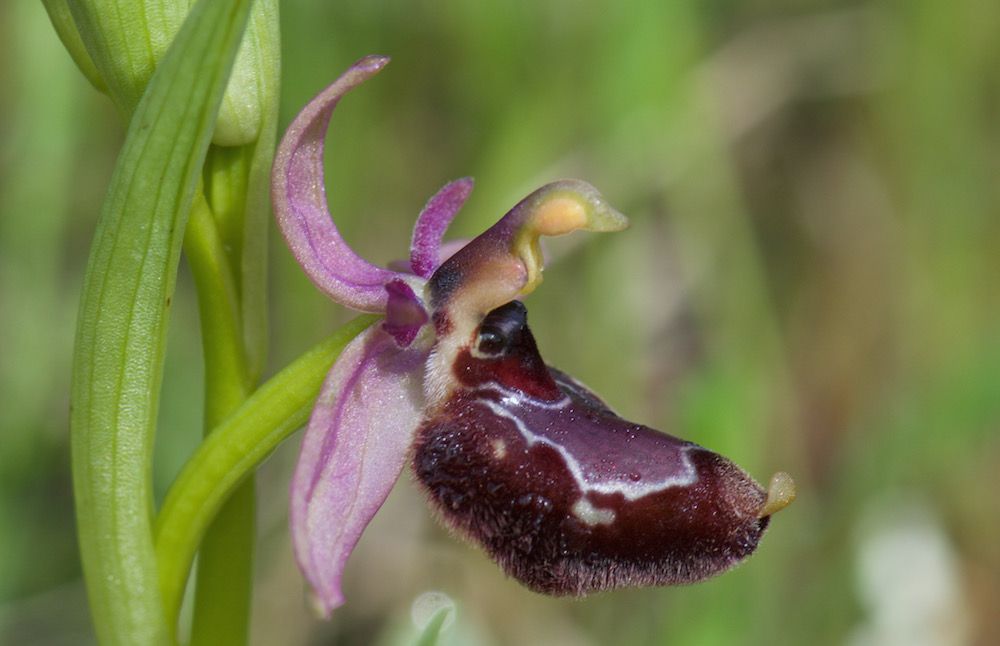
x=432 y=223
x=352 y=453
x=300 y=207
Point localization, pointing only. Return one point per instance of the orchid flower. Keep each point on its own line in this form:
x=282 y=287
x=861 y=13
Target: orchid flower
x=565 y=495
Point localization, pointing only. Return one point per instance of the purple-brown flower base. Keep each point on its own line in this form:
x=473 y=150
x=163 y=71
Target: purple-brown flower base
x=566 y=496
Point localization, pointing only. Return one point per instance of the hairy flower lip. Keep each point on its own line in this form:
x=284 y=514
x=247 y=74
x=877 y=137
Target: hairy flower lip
x=412 y=369
x=568 y=497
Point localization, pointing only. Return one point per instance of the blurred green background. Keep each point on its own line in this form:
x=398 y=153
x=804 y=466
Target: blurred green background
x=811 y=284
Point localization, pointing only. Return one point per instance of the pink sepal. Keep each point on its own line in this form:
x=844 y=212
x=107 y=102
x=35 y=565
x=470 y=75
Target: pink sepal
x=352 y=453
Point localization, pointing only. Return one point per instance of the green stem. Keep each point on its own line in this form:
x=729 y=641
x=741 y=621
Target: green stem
x=233 y=300
x=224 y=585
x=231 y=453
x=225 y=574
x=226 y=385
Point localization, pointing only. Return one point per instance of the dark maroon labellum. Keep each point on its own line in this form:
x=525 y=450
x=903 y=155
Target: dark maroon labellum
x=568 y=497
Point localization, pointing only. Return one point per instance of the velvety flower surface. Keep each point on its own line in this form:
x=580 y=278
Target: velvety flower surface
x=567 y=496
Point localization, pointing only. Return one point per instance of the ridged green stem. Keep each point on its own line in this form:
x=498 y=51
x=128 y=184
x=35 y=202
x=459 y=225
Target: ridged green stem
x=225 y=574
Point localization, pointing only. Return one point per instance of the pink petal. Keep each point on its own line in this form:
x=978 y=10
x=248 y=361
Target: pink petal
x=431 y=225
x=404 y=313
x=300 y=206
x=352 y=453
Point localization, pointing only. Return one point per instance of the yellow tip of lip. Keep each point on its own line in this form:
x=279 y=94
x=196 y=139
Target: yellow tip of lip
x=780 y=494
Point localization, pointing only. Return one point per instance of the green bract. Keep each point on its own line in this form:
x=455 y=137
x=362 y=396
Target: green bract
x=118 y=44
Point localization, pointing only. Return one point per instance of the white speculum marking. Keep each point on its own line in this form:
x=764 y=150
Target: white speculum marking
x=630 y=490
x=590 y=515
x=516 y=399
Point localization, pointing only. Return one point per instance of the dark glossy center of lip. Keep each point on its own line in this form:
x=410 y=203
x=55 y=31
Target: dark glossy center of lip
x=502 y=330
x=504 y=353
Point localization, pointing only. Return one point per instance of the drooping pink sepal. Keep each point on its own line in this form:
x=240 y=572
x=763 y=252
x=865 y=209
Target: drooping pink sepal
x=352 y=453
x=299 y=197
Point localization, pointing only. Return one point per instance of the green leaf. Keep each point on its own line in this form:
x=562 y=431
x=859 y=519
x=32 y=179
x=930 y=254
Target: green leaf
x=120 y=338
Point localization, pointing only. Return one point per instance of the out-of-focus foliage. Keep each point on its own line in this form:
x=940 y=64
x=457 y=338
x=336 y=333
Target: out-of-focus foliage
x=810 y=284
